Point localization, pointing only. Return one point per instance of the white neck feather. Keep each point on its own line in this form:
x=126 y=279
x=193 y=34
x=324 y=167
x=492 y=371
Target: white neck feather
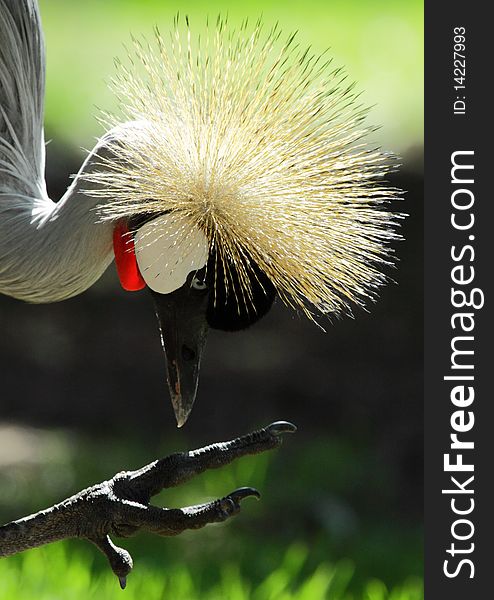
x=48 y=251
x=52 y=251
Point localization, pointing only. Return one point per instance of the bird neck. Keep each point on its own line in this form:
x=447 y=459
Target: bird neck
x=53 y=250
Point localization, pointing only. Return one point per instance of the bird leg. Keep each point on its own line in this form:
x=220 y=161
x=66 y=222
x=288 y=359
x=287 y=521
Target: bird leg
x=120 y=506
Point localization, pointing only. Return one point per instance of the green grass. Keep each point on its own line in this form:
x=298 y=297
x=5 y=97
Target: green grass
x=68 y=573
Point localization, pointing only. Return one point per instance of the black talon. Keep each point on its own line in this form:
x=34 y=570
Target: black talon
x=280 y=427
x=244 y=492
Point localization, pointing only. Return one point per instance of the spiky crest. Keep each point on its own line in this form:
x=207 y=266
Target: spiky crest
x=261 y=144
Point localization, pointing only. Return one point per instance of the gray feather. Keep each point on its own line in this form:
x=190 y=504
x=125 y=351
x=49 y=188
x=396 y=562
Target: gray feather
x=22 y=89
x=48 y=251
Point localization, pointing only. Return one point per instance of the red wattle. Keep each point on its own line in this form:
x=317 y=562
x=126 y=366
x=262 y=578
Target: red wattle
x=125 y=259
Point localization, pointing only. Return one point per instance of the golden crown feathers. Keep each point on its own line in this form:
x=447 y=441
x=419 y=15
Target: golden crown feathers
x=261 y=145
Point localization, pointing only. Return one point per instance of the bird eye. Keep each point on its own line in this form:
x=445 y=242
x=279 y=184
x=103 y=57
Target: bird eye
x=198 y=284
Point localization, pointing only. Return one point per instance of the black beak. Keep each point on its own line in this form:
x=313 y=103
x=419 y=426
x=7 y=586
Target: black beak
x=182 y=320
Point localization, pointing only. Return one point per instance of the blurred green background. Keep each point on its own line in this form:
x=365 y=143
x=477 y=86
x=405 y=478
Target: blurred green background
x=380 y=43
x=83 y=384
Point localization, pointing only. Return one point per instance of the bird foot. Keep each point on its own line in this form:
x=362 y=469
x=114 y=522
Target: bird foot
x=121 y=506
x=162 y=521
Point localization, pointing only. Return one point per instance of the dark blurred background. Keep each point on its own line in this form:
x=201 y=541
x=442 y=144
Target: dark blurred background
x=83 y=389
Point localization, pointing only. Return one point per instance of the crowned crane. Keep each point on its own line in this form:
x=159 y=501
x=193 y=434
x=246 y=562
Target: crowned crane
x=236 y=170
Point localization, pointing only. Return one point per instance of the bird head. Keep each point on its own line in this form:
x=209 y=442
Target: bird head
x=191 y=294
x=240 y=171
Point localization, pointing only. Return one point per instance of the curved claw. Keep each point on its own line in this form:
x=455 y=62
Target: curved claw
x=230 y=505
x=244 y=492
x=120 y=560
x=280 y=427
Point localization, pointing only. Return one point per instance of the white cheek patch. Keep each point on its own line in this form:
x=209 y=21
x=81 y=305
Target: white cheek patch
x=167 y=249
